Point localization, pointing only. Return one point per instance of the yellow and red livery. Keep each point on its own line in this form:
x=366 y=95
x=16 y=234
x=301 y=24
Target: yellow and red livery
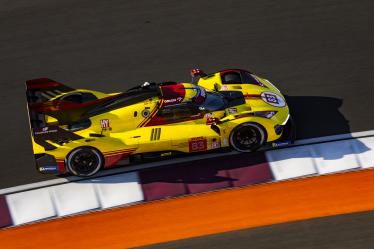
x=80 y=131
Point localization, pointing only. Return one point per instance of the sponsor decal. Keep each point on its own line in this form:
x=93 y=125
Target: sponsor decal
x=45 y=130
x=145 y=113
x=216 y=144
x=273 y=99
x=48 y=168
x=232 y=110
x=211 y=120
x=197 y=144
x=173 y=101
x=104 y=123
x=280 y=144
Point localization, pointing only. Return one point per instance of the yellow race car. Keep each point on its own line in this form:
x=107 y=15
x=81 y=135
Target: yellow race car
x=81 y=131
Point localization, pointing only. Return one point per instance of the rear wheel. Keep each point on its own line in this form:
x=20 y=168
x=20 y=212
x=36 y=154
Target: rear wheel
x=84 y=161
x=247 y=137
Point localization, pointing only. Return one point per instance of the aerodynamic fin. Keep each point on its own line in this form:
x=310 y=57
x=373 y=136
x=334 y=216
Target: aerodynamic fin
x=38 y=93
x=41 y=103
x=44 y=89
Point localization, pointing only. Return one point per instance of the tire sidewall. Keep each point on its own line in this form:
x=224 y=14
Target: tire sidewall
x=259 y=129
x=79 y=149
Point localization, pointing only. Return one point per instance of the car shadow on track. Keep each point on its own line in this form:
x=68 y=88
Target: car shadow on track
x=316 y=116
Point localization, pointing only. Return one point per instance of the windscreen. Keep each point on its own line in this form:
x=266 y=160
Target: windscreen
x=213 y=102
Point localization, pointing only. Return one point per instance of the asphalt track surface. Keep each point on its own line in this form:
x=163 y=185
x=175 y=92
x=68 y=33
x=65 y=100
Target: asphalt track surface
x=353 y=231
x=317 y=52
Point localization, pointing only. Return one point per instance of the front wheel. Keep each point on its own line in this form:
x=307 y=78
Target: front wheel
x=247 y=137
x=84 y=161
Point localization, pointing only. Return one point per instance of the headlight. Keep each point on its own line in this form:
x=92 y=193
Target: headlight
x=265 y=114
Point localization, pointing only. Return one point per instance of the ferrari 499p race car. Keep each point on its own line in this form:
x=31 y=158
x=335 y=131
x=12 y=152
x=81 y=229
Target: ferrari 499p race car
x=80 y=131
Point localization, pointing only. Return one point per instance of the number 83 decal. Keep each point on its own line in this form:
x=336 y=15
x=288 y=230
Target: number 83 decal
x=197 y=144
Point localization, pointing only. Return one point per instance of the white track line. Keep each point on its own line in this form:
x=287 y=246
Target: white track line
x=115 y=171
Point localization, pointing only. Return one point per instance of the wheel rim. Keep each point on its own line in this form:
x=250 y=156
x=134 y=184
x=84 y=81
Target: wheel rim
x=84 y=162
x=247 y=138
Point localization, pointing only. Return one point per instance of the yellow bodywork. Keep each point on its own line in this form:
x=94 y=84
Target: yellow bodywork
x=129 y=130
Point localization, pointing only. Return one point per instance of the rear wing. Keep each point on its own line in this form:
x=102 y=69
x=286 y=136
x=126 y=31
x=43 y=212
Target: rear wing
x=38 y=92
x=44 y=89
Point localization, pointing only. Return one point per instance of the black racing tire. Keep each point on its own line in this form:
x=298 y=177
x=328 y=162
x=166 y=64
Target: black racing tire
x=84 y=161
x=247 y=137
